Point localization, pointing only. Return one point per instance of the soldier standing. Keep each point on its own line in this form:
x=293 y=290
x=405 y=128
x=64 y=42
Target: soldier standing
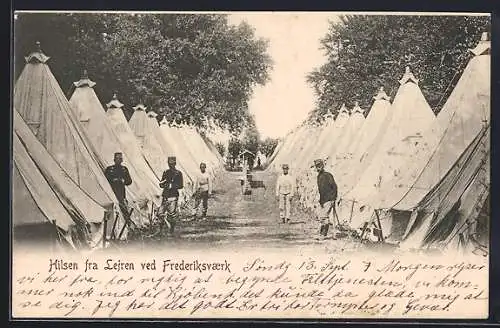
x=171 y=182
x=327 y=196
x=119 y=177
x=286 y=187
x=203 y=190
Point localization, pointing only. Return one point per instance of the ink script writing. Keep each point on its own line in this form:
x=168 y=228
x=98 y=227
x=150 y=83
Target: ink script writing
x=253 y=287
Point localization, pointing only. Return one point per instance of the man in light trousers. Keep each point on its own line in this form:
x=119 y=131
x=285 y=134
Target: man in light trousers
x=286 y=187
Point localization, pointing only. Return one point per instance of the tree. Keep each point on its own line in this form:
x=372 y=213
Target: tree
x=268 y=146
x=368 y=51
x=191 y=68
x=221 y=149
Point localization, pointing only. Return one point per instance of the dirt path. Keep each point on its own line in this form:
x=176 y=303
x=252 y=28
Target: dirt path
x=237 y=221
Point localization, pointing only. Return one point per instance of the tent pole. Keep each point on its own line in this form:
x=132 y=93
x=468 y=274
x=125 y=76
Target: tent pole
x=352 y=210
x=105 y=229
x=381 y=237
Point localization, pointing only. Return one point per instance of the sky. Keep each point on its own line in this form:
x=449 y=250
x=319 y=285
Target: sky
x=294 y=46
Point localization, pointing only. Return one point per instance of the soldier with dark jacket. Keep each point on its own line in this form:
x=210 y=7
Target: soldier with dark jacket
x=171 y=182
x=118 y=177
x=327 y=197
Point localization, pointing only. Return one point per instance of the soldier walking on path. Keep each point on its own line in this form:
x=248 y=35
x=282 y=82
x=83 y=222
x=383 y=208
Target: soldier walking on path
x=327 y=197
x=286 y=187
x=171 y=182
x=203 y=190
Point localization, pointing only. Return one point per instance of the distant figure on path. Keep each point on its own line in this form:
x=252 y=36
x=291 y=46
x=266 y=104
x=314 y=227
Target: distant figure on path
x=171 y=182
x=327 y=196
x=286 y=187
x=203 y=190
x=119 y=177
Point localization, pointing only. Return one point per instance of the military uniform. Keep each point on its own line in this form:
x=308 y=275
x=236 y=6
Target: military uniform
x=171 y=182
x=327 y=188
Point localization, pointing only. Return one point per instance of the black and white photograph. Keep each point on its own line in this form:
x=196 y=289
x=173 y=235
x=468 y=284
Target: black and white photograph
x=250 y=165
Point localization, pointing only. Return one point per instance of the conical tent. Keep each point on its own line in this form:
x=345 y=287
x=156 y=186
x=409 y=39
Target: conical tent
x=287 y=143
x=38 y=217
x=212 y=149
x=331 y=146
x=294 y=149
x=175 y=141
x=148 y=131
x=275 y=152
x=300 y=159
x=410 y=116
x=464 y=114
x=366 y=145
x=195 y=149
x=131 y=146
x=449 y=211
x=327 y=131
x=349 y=133
x=307 y=156
x=101 y=133
x=41 y=103
x=200 y=149
x=50 y=186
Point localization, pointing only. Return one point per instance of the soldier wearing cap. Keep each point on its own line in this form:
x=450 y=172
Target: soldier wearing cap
x=327 y=196
x=203 y=190
x=118 y=177
x=286 y=187
x=171 y=182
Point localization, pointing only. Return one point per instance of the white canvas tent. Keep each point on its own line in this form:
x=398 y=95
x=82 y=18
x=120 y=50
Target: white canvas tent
x=44 y=194
x=131 y=146
x=410 y=116
x=41 y=103
x=326 y=133
x=328 y=152
x=102 y=135
x=349 y=134
x=366 y=145
x=465 y=114
x=174 y=140
x=447 y=216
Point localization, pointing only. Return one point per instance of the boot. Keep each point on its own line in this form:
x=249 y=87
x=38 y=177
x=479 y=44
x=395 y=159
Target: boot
x=172 y=226
x=322 y=230
x=325 y=232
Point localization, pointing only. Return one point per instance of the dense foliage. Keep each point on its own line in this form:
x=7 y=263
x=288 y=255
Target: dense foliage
x=268 y=146
x=365 y=52
x=188 y=67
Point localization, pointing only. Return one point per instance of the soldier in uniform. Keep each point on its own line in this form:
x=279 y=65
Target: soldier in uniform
x=119 y=177
x=327 y=197
x=286 y=187
x=203 y=190
x=171 y=182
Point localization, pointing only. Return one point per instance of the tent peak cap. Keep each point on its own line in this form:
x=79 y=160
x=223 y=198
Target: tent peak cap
x=382 y=95
x=484 y=45
x=140 y=106
x=84 y=81
x=37 y=56
x=357 y=109
x=152 y=114
x=408 y=77
x=114 y=103
x=344 y=110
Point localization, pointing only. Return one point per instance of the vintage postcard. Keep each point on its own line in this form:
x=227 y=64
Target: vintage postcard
x=284 y=165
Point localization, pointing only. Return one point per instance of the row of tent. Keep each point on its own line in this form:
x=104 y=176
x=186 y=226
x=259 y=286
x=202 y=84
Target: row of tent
x=61 y=148
x=417 y=179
